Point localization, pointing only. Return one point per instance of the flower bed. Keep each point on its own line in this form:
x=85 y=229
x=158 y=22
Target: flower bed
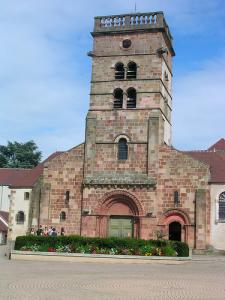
x=111 y=246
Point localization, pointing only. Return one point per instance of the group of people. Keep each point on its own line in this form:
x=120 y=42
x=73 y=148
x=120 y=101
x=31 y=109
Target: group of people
x=46 y=231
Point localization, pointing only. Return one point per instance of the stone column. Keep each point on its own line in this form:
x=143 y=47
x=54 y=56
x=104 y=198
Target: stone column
x=155 y=138
x=90 y=139
x=200 y=219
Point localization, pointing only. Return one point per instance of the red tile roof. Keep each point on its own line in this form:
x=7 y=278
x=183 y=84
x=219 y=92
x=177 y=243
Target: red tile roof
x=214 y=160
x=219 y=145
x=11 y=176
x=5 y=216
x=23 y=177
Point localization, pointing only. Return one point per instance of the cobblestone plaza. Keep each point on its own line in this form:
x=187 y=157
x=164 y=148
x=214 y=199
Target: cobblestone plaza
x=202 y=279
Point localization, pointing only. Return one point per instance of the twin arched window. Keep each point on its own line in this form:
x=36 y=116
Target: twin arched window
x=222 y=206
x=122 y=149
x=120 y=71
x=20 y=217
x=131 y=98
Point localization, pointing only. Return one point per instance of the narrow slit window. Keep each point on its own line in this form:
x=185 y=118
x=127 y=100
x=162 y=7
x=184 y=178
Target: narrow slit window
x=131 y=98
x=118 y=98
x=119 y=71
x=131 y=70
x=67 y=197
x=122 y=149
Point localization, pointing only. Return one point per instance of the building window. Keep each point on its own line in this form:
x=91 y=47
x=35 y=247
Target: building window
x=62 y=216
x=131 y=70
x=20 y=217
x=122 y=149
x=67 y=197
x=119 y=71
x=26 y=196
x=131 y=98
x=222 y=206
x=166 y=77
x=118 y=98
x=176 y=199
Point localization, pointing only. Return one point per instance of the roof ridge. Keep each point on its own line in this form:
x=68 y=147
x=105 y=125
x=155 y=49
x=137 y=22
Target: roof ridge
x=188 y=151
x=16 y=168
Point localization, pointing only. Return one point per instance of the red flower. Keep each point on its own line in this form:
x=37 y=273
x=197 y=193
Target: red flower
x=51 y=249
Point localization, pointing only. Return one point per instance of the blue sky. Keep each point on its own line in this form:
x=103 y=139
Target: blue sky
x=45 y=72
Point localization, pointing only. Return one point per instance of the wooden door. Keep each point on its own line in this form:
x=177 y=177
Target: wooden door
x=121 y=226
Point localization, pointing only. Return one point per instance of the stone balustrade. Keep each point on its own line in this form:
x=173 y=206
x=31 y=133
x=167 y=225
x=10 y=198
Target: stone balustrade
x=129 y=22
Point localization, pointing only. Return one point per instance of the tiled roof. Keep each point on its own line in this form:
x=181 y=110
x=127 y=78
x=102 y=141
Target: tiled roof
x=23 y=177
x=11 y=176
x=214 y=160
x=5 y=216
x=220 y=145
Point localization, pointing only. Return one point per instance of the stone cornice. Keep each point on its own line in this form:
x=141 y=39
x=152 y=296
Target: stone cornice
x=128 y=181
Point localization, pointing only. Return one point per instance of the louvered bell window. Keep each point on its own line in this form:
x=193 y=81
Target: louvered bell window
x=118 y=98
x=131 y=98
x=119 y=71
x=131 y=70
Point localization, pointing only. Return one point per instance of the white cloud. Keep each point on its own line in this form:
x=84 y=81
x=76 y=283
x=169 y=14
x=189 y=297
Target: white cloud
x=199 y=106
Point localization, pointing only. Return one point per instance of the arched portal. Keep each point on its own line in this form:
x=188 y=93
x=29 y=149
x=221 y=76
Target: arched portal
x=175 y=223
x=120 y=215
x=175 y=231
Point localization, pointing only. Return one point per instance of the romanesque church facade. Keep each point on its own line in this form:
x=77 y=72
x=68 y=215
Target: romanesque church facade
x=126 y=179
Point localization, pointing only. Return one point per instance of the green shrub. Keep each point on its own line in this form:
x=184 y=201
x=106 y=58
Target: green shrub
x=168 y=250
x=111 y=245
x=181 y=248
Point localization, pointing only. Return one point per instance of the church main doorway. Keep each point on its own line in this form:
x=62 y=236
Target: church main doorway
x=121 y=226
x=175 y=231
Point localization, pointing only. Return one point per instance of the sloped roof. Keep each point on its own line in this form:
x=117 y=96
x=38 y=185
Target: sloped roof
x=214 y=160
x=219 y=146
x=23 y=177
x=5 y=216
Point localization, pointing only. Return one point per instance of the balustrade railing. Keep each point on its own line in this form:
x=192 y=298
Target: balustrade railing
x=128 y=20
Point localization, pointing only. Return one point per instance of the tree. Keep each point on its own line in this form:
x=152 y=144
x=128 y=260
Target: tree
x=19 y=155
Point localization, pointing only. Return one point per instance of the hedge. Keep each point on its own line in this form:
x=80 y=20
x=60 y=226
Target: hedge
x=110 y=245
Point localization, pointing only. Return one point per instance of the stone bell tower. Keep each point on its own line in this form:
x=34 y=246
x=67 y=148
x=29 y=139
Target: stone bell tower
x=129 y=118
x=131 y=97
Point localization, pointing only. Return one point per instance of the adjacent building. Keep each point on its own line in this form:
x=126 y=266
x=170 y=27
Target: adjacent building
x=17 y=185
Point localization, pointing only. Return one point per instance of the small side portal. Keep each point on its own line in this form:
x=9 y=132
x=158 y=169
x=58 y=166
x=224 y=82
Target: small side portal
x=175 y=231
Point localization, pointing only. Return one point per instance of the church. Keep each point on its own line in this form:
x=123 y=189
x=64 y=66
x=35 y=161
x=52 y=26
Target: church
x=126 y=179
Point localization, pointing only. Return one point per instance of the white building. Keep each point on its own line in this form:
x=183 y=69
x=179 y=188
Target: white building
x=16 y=192
x=215 y=158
